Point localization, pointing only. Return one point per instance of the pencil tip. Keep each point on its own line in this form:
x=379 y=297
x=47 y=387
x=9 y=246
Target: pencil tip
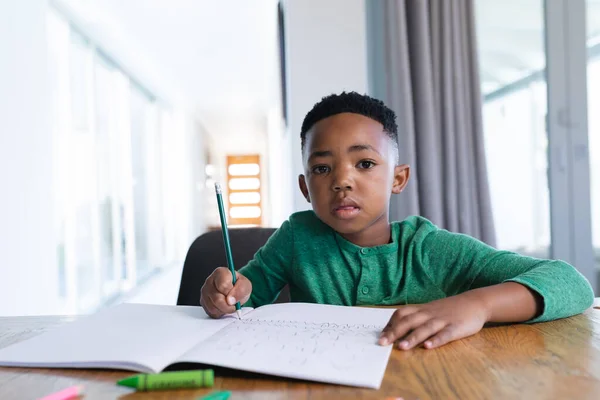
x=239 y=314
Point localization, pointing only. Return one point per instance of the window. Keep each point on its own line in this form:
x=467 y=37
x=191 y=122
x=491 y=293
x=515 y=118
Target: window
x=514 y=112
x=543 y=162
x=108 y=173
x=593 y=90
x=244 y=188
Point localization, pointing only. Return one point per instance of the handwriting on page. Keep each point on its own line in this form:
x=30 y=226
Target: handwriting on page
x=343 y=346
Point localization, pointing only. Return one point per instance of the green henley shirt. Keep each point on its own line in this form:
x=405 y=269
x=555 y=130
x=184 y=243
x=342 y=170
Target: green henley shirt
x=421 y=264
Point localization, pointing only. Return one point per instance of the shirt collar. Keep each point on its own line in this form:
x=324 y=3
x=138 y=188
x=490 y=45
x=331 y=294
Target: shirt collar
x=381 y=249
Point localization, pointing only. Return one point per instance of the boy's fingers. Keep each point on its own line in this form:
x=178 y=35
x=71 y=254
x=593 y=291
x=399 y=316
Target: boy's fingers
x=398 y=315
x=441 y=338
x=218 y=295
x=404 y=311
x=210 y=307
x=241 y=290
x=222 y=280
x=421 y=333
x=205 y=300
x=398 y=327
x=218 y=301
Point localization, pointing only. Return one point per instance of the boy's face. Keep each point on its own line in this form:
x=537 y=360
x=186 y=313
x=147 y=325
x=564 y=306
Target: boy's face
x=350 y=172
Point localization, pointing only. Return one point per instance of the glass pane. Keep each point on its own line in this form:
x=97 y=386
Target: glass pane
x=82 y=163
x=80 y=71
x=244 y=198
x=244 y=183
x=140 y=110
x=593 y=89
x=108 y=202
x=58 y=67
x=244 y=169
x=510 y=37
x=245 y=212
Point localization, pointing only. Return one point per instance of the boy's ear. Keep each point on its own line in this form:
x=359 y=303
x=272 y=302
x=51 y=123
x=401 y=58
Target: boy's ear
x=401 y=175
x=303 y=187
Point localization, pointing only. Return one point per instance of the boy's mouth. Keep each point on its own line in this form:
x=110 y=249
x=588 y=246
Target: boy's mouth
x=346 y=212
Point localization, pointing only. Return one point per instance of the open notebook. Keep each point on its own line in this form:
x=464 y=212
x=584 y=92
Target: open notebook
x=321 y=343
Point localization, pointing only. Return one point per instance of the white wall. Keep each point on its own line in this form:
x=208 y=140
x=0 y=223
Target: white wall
x=279 y=165
x=27 y=246
x=326 y=49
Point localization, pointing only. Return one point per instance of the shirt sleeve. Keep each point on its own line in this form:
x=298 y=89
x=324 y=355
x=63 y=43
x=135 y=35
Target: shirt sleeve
x=459 y=263
x=269 y=270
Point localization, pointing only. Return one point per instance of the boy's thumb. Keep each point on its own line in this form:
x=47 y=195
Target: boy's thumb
x=241 y=291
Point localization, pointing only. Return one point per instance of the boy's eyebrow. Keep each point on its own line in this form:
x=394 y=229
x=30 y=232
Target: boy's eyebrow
x=362 y=147
x=324 y=153
x=351 y=149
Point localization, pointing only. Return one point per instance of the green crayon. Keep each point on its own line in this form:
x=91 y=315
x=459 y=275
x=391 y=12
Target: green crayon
x=170 y=380
x=216 y=396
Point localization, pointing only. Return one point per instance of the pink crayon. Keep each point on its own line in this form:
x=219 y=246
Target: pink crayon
x=65 y=394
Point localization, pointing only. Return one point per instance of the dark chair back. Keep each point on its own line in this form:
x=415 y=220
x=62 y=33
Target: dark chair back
x=208 y=252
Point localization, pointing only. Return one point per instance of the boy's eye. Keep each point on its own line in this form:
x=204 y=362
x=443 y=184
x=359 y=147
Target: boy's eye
x=320 y=169
x=366 y=164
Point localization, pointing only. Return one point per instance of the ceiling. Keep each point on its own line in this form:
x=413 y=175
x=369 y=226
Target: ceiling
x=223 y=55
x=510 y=35
x=213 y=54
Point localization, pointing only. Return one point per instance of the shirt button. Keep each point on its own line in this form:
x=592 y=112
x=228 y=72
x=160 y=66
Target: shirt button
x=364 y=251
x=365 y=290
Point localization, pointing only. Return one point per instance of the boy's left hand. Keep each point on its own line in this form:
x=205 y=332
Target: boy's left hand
x=437 y=323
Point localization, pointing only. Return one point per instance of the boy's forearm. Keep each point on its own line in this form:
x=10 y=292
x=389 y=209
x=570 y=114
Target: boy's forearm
x=509 y=302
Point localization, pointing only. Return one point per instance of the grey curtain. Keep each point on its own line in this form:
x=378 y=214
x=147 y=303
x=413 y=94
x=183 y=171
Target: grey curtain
x=423 y=64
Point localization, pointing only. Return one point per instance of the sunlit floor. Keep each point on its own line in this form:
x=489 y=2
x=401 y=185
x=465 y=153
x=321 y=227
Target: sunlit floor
x=162 y=288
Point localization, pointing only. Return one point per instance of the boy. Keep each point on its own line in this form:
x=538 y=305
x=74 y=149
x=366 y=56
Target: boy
x=346 y=252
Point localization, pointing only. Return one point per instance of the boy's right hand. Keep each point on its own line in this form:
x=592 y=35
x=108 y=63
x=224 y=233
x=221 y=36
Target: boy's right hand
x=218 y=295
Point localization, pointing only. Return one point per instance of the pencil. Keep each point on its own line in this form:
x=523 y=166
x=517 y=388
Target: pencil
x=226 y=242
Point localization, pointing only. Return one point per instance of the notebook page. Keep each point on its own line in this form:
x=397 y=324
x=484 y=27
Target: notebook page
x=137 y=337
x=314 y=342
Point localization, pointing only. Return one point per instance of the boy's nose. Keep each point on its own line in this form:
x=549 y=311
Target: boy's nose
x=342 y=179
x=338 y=188
x=342 y=184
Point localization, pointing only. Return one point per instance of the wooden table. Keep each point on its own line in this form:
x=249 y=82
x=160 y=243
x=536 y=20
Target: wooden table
x=559 y=359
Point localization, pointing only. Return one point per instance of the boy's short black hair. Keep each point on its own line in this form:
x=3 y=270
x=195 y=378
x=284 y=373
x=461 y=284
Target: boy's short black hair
x=355 y=103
